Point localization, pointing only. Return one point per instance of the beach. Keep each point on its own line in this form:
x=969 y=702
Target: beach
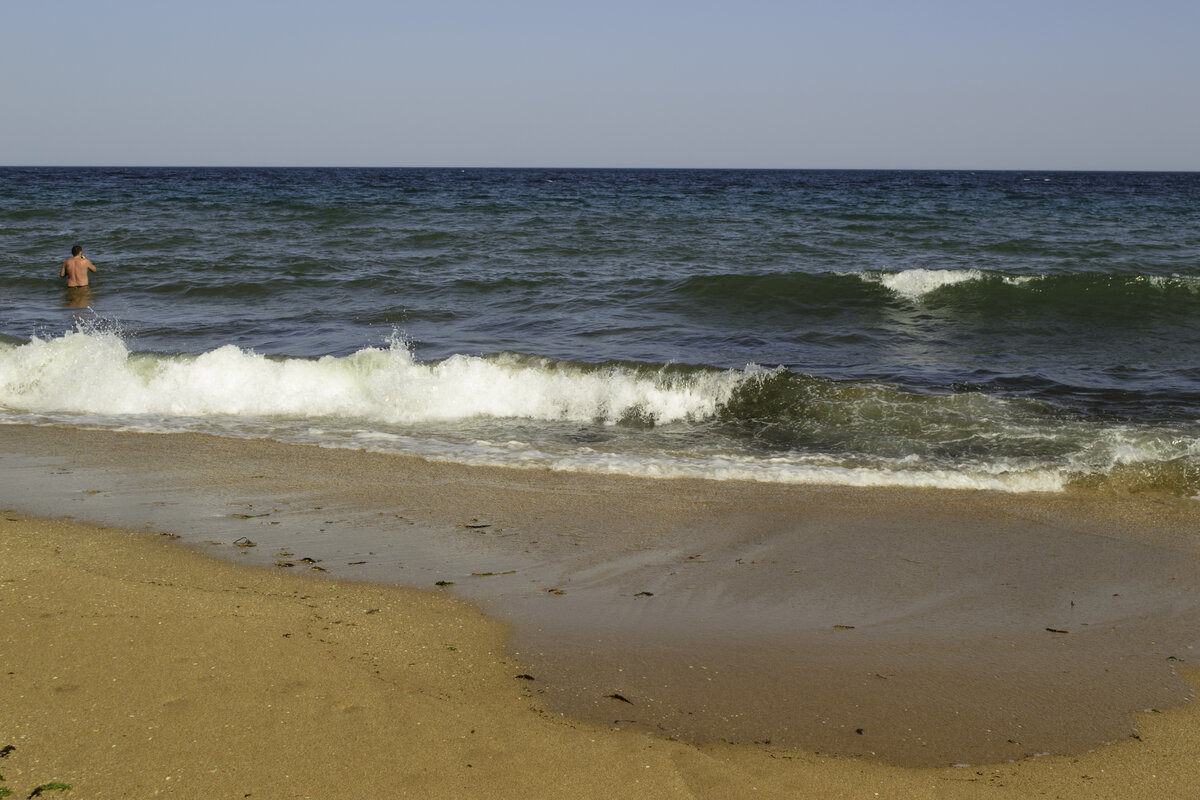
x=135 y=668
x=453 y=482
x=151 y=661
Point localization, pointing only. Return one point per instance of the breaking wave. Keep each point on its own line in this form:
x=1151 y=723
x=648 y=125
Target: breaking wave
x=661 y=420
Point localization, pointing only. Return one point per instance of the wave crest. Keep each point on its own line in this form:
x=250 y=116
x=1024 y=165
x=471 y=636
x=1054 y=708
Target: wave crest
x=95 y=373
x=632 y=418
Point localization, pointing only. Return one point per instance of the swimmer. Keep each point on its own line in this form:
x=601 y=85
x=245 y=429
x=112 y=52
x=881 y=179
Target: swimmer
x=76 y=268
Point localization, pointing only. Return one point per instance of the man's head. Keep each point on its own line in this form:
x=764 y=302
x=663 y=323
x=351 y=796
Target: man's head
x=76 y=250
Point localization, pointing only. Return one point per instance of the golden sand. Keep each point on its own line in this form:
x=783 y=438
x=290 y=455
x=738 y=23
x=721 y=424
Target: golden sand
x=131 y=667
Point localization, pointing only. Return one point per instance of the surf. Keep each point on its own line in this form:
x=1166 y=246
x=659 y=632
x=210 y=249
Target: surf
x=655 y=420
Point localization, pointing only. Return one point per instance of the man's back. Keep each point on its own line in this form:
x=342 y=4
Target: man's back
x=76 y=270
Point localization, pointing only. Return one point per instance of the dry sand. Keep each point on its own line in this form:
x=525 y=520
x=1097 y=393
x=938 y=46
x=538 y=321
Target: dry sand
x=131 y=666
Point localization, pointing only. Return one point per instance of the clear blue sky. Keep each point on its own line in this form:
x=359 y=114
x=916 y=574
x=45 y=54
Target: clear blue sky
x=1020 y=84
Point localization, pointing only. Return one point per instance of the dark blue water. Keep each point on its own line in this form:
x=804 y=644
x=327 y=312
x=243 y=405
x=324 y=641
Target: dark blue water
x=1026 y=331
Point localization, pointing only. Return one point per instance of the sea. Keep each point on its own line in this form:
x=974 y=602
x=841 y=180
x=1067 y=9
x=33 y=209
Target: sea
x=1004 y=331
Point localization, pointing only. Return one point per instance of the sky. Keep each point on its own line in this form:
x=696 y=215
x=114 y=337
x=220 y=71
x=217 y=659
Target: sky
x=843 y=84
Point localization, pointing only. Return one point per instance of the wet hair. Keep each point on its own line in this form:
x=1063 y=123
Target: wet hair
x=76 y=250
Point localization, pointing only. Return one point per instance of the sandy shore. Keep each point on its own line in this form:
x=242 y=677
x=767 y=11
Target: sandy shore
x=912 y=627
x=134 y=667
x=676 y=637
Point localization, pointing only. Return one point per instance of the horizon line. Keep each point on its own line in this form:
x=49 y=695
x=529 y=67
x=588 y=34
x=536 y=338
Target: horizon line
x=599 y=168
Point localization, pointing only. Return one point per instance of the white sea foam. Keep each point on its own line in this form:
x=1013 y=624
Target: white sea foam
x=793 y=473
x=1188 y=283
x=916 y=283
x=94 y=373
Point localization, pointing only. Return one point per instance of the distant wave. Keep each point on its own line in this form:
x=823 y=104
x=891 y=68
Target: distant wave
x=917 y=284
x=829 y=292
x=822 y=292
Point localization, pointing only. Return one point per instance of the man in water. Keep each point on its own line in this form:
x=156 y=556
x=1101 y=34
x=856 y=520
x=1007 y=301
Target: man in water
x=76 y=268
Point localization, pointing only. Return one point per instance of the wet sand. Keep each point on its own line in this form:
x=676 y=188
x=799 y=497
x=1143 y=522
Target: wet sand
x=918 y=628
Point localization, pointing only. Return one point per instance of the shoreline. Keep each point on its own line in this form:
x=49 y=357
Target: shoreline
x=920 y=628
x=134 y=666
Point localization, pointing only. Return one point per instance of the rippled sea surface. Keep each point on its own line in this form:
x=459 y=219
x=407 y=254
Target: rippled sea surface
x=1016 y=331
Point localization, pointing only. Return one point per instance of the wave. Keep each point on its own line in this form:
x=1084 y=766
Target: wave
x=1130 y=292
x=662 y=420
x=1068 y=289
x=916 y=284
x=93 y=372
